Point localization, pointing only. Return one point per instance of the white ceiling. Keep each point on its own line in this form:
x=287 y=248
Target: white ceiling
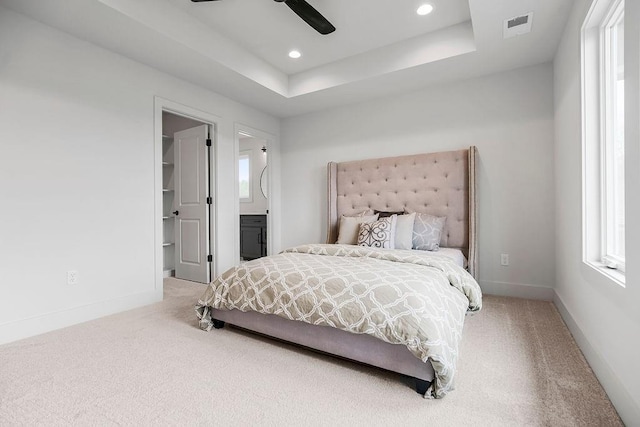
x=381 y=47
x=270 y=30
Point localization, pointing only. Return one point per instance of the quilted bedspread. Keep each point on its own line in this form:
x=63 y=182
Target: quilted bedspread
x=414 y=298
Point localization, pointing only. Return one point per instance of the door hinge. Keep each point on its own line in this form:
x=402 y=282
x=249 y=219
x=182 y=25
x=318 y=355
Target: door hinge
x=209 y=200
x=209 y=258
x=208 y=142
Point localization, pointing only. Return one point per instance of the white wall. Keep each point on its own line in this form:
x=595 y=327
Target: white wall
x=509 y=116
x=603 y=316
x=77 y=176
x=258 y=204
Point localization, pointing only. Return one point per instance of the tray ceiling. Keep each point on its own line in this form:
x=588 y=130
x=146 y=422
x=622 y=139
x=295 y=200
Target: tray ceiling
x=239 y=48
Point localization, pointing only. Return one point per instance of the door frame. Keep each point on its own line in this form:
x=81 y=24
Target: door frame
x=273 y=157
x=160 y=105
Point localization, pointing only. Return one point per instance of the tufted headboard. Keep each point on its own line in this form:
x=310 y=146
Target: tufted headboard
x=440 y=184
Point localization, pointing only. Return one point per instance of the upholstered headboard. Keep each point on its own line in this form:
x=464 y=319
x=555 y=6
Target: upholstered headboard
x=441 y=184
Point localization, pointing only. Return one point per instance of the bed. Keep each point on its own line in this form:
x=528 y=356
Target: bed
x=366 y=304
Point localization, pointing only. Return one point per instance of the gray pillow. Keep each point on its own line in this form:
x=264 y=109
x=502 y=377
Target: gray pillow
x=378 y=234
x=427 y=232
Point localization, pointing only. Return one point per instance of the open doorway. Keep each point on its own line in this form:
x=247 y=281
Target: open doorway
x=186 y=197
x=253 y=195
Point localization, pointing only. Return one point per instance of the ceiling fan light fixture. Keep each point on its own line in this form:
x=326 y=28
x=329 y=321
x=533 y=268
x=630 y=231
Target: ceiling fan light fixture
x=425 y=9
x=295 y=54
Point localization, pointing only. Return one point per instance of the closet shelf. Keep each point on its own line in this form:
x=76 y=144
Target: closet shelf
x=168 y=194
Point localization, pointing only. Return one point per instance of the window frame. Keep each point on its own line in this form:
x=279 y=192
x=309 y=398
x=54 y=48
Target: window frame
x=608 y=89
x=598 y=114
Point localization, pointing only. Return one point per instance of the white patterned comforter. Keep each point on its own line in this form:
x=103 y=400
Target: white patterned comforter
x=414 y=298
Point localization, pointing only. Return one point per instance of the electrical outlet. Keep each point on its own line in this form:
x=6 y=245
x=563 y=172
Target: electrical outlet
x=72 y=277
x=504 y=259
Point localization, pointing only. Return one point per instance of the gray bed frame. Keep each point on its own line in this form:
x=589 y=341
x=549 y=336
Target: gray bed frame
x=442 y=184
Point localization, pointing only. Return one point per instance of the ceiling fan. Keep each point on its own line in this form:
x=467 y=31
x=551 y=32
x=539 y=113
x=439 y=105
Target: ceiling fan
x=305 y=11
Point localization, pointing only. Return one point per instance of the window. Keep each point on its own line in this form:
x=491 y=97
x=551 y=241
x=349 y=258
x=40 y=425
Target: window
x=603 y=137
x=613 y=141
x=244 y=176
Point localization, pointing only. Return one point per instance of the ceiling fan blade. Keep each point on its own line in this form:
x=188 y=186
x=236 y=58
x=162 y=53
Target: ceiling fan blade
x=311 y=16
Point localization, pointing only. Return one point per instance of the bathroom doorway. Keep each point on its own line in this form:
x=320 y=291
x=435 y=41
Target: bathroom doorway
x=253 y=196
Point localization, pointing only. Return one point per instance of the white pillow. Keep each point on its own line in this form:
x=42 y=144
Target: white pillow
x=378 y=234
x=349 y=227
x=404 y=231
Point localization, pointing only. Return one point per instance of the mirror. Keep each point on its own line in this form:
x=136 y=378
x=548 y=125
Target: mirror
x=263 y=182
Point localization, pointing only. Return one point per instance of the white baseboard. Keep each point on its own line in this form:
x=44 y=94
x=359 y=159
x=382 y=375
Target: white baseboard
x=517 y=290
x=36 y=325
x=624 y=403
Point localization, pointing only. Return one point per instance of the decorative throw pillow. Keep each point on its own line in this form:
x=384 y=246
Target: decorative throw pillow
x=427 y=232
x=378 y=234
x=404 y=231
x=349 y=226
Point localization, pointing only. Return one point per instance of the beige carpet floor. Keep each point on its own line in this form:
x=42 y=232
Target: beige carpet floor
x=518 y=366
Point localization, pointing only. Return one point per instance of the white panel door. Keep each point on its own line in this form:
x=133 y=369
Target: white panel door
x=191 y=178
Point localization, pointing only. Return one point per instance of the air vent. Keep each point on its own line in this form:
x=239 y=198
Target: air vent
x=517 y=25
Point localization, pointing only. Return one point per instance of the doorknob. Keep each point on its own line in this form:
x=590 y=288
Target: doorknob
x=176 y=213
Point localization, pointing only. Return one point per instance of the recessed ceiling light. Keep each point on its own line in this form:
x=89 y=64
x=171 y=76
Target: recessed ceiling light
x=425 y=9
x=294 y=54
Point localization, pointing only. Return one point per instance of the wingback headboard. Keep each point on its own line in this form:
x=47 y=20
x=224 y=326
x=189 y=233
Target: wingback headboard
x=441 y=184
